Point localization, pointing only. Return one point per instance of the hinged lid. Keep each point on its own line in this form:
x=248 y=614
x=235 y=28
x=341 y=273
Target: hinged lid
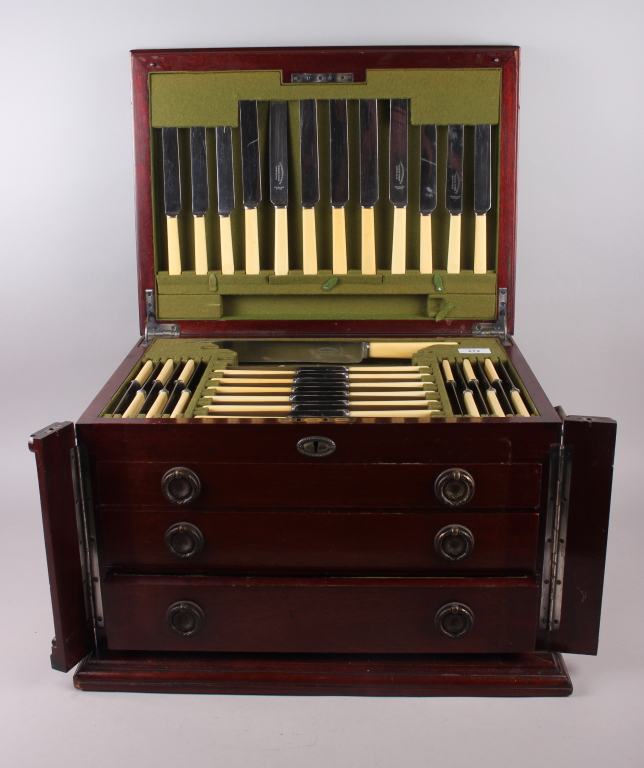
x=197 y=271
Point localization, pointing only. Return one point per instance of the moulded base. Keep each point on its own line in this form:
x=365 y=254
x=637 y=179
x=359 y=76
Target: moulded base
x=524 y=674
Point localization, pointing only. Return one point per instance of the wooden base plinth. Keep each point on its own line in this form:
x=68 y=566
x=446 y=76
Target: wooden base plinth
x=526 y=674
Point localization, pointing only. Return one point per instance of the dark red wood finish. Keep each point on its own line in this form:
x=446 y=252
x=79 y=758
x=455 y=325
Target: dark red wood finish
x=593 y=449
x=309 y=541
x=520 y=674
x=319 y=485
x=320 y=615
x=334 y=59
x=52 y=447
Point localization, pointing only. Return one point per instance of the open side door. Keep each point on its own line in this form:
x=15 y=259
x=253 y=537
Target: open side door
x=582 y=532
x=55 y=452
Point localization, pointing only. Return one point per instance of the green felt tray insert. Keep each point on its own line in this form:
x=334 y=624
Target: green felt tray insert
x=208 y=351
x=441 y=96
x=211 y=98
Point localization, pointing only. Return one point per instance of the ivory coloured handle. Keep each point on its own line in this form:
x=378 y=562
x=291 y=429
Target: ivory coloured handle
x=281 y=242
x=480 y=245
x=226 y=240
x=470 y=405
x=469 y=371
x=399 y=245
x=339 y=242
x=181 y=404
x=135 y=406
x=403 y=348
x=309 y=244
x=493 y=400
x=518 y=403
x=490 y=370
x=157 y=406
x=174 y=251
x=447 y=370
x=166 y=371
x=368 y=242
x=186 y=373
x=201 y=252
x=454 y=247
x=251 y=241
x=143 y=374
x=426 y=258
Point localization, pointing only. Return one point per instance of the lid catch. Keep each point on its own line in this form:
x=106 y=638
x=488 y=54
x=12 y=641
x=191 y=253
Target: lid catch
x=499 y=329
x=154 y=330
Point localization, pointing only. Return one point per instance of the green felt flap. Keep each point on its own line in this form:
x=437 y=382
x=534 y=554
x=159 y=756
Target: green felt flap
x=440 y=96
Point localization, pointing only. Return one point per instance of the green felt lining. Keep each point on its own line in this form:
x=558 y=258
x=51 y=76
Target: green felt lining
x=440 y=96
x=383 y=219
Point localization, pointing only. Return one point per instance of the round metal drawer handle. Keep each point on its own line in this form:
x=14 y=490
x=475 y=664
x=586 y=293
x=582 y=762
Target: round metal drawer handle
x=185 y=618
x=454 y=487
x=180 y=485
x=316 y=446
x=454 y=542
x=454 y=620
x=183 y=540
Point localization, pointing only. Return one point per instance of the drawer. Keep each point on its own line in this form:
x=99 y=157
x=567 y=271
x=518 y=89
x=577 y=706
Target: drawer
x=306 y=615
x=318 y=542
x=319 y=485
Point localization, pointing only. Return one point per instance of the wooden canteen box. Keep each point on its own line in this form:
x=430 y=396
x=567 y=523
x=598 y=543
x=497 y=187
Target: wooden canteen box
x=325 y=467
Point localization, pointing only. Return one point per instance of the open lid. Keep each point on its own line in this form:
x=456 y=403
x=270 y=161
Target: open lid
x=193 y=253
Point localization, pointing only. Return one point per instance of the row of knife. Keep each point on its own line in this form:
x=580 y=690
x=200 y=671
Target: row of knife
x=484 y=388
x=339 y=187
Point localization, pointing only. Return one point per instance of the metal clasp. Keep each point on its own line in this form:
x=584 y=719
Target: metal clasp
x=498 y=329
x=154 y=330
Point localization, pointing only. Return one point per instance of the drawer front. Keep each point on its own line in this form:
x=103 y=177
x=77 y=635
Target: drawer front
x=344 y=615
x=320 y=485
x=319 y=542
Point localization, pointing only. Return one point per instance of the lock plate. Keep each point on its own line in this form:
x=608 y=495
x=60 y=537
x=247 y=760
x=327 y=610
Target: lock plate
x=316 y=446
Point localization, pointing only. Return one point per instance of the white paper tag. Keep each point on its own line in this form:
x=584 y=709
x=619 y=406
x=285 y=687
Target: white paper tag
x=474 y=351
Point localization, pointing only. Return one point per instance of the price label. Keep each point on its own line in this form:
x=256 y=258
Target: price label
x=474 y=351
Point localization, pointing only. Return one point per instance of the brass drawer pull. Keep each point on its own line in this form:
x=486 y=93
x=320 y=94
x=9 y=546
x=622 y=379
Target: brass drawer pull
x=185 y=618
x=454 y=620
x=183 y=540
x=454 y=487
x=454 y=542
x=180 y=485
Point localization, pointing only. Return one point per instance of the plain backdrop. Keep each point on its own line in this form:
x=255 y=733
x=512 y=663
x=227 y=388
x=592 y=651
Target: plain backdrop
x=69 y=315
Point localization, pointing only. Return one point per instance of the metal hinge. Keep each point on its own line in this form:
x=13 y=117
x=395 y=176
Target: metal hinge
x=499 y=329
x=154 y=330
x=322 y=77
x=87 y=537
x=554 y=552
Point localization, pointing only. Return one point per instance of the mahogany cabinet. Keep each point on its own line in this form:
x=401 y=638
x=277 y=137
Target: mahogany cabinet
x=449 y=555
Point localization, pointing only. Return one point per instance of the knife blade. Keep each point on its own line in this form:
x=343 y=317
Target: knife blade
x=251 y=181
x=225 y=195
x=482 y=193
x=309 y=165
x=368 y=181
x=454 y=194
x=339 y=130
x=428 y=195
x=200 y=199
x=278 y=161
x=172 y=196
x=398 y=184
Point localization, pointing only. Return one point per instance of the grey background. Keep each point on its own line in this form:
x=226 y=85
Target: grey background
x=69 y=315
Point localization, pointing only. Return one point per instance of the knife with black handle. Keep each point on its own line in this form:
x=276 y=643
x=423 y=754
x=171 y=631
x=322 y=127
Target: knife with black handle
x=278 y=161
x=398 y=186
x=251 y=182
x=368 y=181
x=225 y=196
x=454 y=195
x=200 y=198
x=339 y=126
x=482 y=194
x=428 y=190
x=309 y=165
x=172 y=196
